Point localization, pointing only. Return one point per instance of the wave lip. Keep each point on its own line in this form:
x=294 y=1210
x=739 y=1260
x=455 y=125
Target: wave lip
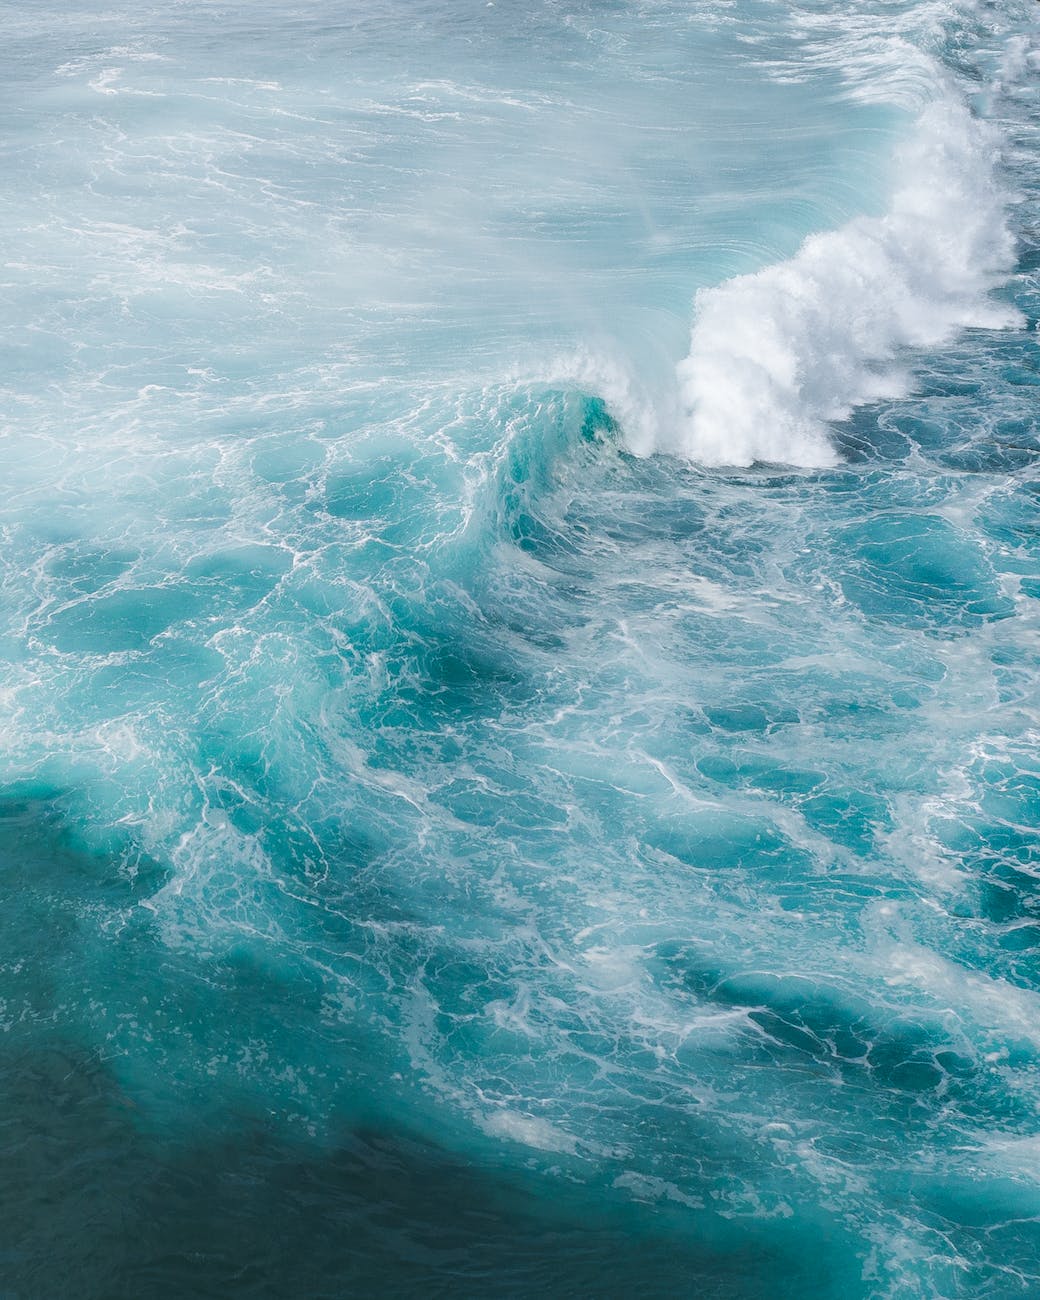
x=777 y=354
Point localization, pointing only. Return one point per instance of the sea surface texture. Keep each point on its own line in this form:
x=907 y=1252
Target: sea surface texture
x=520 y=649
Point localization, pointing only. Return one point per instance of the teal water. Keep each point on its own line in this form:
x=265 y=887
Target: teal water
x=519 y=671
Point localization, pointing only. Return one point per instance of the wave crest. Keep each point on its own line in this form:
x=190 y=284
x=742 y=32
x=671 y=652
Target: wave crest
x=775 y=355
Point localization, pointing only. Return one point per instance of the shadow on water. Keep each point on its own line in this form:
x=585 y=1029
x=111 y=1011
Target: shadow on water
x=242 y=1211
x=98 y=1200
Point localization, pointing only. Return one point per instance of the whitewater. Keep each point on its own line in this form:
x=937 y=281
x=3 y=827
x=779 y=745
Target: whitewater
x=519 y=672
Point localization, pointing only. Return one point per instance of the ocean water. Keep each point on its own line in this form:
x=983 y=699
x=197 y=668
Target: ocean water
x=520 y=649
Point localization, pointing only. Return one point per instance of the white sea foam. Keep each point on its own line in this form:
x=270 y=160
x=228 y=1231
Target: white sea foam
x=776 y=355
x=529 y=1130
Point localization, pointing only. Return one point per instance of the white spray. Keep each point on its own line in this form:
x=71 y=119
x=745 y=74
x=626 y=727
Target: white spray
x=777 y=355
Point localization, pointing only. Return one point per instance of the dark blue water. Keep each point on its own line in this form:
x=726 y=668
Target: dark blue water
x=520 y=587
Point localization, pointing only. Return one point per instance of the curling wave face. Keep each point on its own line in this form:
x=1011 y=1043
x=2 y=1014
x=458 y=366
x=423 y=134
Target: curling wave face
x=444 y=841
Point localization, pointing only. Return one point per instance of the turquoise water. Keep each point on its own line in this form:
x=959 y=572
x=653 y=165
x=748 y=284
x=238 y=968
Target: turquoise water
x=520 y=587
